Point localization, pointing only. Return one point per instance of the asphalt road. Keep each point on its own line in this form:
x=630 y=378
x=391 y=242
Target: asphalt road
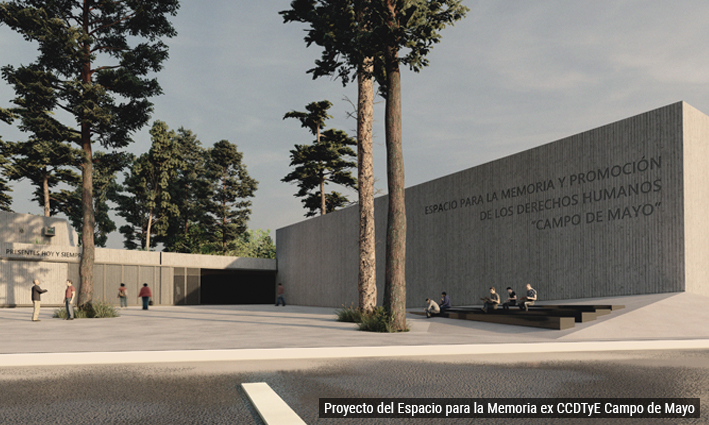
x=209 y=393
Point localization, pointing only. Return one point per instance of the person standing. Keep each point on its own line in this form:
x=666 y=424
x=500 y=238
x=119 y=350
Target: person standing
x=145 y=294
x=280 y=291
x=69 y=299
x=123 y=295
x=36 y=298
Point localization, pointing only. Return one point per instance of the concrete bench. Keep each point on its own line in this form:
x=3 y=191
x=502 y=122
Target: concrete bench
x=549 y=316
x=547 y=322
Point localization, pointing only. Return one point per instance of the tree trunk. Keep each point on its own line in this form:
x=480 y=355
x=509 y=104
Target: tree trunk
x=367 y=283
x=224 y=218
x=147 y=233
x=395 y=282
x=45 y=193
x=323 y=204
x=86 y=267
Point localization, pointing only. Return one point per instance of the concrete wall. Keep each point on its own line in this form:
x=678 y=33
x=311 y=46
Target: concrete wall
x=27 y=228
x=15 y=288
x=564 y=217
x=696 y=183
x=217 y=262
x=21 y=263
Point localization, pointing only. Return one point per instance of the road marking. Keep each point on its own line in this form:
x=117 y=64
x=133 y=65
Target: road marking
x=272 y=409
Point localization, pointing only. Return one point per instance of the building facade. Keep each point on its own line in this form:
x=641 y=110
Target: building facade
x=46 y=248
x=617 y=210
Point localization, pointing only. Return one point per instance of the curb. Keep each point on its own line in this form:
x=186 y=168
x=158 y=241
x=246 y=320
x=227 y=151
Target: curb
x=134 y=357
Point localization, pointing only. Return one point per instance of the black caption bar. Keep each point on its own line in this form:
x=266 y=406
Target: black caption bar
x=668 y=408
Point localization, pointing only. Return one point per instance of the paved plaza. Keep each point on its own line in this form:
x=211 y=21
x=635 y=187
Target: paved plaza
x=223 y=332
x=185 y=364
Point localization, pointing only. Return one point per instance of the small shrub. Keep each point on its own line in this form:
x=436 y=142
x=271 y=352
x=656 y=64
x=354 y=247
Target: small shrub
x=80 y=313
x=103 y=310
x=349 y=314
x=97 y=310
x=379 y=321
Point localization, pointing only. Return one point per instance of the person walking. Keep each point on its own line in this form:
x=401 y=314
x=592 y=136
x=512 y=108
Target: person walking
x=69 y=295
x=123 y=295
x=36 y=299
x=145 y=294
x=280 y=291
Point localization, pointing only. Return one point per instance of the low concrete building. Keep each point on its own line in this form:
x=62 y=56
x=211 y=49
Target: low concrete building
x=46 y=248
x=617 y=210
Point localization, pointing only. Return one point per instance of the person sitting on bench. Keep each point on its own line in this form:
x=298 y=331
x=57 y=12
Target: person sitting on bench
x=512 y=300
x=492 y=301
x=445 y=302
x=431 y=308
x=529 y=299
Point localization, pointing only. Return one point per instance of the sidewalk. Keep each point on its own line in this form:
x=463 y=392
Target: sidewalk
x=210 y=333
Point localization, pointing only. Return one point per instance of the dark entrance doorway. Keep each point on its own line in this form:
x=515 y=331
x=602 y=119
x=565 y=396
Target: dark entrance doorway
x=237 y=287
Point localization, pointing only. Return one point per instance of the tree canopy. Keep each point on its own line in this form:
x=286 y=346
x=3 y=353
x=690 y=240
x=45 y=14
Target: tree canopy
x=45 y=163
x=326 y=160
x=145 y=201
x=95 y=60
x=232 y=187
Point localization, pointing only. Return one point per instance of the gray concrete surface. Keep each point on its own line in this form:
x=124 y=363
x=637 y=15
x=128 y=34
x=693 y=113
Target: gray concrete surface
x=195 y=358
x=222 y=332
x=210 y=393
x=613 y=211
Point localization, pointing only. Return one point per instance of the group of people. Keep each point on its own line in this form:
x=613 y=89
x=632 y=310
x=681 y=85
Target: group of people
x=493 y=301
x=70 y=294
x=433 y=308
x=145 y=294
x=490 y=302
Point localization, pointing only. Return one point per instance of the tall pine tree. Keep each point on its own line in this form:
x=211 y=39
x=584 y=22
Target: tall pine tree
x=229 y=206
x=357 y=34
x=341 y=28
x=323 y=161
x=145 y=201
x=94 y=62
x=405 y=32
x=190 y=192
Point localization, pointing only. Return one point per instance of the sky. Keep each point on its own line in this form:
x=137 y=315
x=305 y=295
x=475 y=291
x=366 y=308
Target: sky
x=510 y=76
